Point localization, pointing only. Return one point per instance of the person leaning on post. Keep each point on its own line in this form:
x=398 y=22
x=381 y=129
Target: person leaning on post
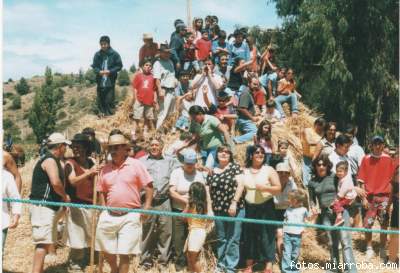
x=121 y=181
x=47 y=185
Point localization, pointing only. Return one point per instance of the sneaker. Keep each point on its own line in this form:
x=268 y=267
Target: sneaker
x=339 y=222
x=369 y=253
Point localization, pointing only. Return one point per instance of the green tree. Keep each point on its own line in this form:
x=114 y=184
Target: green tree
x=16 y=103
x=42 y=115
x=132 y=69
x=345 y=55
x=22 y=87
x=123 y=78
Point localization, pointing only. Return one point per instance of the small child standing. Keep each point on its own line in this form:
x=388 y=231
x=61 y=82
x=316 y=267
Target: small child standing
x=203 y=47
x=144 y=98
x=295 y=214
x=264 y=138
x=259 y=100
x=189 y=53
x=346 y=192
x=199 y=203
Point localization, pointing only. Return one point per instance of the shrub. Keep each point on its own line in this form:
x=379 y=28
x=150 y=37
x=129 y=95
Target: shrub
x=72 y=101
x=16 y=103
x=123 y=78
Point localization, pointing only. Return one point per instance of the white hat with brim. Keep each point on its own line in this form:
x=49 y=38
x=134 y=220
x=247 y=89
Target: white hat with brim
x=57 y=138
x=282 y=167
x=147 y=36
x=117 y=140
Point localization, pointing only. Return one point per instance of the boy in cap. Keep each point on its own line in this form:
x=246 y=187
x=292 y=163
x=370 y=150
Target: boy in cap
x=375 y=176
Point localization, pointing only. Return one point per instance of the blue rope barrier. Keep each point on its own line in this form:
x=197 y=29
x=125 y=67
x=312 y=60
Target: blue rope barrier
x=200 y=216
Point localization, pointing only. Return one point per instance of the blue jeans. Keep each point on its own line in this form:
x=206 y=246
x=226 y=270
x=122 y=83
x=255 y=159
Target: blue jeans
x=336 y=236
x=209 y=157
x=291 y=252
x=292 y=99
x=228 y=236
x=307 y=167
x=266 y=78
x=182 y=123
x=188 y=64
x=248 y=128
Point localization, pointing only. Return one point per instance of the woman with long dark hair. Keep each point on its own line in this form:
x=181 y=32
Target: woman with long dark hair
x=226 y=196
x=327 y=144
x=261 y=183
x=264 y=138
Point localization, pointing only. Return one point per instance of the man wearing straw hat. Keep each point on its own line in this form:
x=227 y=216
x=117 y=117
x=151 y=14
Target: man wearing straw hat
x=149 y=48
x=47 y=185
x=121 y=181
x=80 y=174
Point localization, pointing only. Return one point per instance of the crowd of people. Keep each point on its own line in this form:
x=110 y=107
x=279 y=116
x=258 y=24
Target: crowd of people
x=218 y=84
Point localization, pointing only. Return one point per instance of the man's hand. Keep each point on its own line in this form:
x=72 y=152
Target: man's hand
x=204 y=89
x=365 y=203
x=360 y=192
x=161 y=94
x=14 y=221
x=145 y=217
x=67 y=199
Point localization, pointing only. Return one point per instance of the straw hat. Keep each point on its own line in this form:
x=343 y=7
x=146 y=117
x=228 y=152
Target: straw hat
x=58 y=138
x=117 y=140
x=147 y=36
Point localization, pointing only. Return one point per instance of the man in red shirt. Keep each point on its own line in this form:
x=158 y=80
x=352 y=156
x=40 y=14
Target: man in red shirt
x=121 y=181
x=144 y=98
x=374 y=176
x=149 y=49
x=203 y=47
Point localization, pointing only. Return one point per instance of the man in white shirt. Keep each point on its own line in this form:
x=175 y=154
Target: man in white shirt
x=342 y=144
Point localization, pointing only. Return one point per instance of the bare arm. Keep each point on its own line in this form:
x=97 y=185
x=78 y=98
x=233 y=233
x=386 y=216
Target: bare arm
x=11 y=166
x=51 y=168
x=242 y=67
x=148 y=196
x=318 y=151
x=205 y=96
x=227 y=137
x=74 y=179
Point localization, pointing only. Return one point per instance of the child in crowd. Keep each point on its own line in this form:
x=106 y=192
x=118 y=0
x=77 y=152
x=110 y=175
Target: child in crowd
x=179 y=144
x=223 y=111
x=346 y=193
x=144 y=98
x=11 y=211
x=295 y=214
x=259 y=100
x=203 y=47
x=272 y=115
x=199 y=203
x=183 y=104
x=282 y=201
x=264 y=139
x=189 y=53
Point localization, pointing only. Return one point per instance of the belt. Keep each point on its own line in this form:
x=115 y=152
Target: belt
x=117 y=213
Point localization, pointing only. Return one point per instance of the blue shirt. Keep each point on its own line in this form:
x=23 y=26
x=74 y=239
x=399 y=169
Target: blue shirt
x=295 y=216
x=214 y=46
x=242 y=51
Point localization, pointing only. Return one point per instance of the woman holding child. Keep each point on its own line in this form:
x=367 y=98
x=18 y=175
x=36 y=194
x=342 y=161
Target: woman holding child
x=261 y=183
x=323 y=188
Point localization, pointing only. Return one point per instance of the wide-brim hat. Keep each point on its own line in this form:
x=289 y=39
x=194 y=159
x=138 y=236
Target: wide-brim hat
x=147 y=36
x=81 y=138
x=164 y=48
x=117 y=140
x=57 y=138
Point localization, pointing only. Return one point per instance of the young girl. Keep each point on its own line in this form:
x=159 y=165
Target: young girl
x=298 y=214
x=263 y=138
x=199 y=203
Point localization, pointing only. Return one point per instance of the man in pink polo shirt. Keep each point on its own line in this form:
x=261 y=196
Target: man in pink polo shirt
x=121 y=181
x=375 y=176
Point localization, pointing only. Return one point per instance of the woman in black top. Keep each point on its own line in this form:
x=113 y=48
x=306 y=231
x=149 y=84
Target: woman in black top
x=323 y=187
x=226 y=191
x=237 y=79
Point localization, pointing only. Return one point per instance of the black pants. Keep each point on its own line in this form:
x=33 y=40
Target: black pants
x=105 y=100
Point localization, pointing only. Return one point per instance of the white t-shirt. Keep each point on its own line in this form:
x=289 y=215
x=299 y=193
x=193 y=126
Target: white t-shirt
x=182 y=183
x=295 y=216
x=10 y=190
x=282 y=200
x=165 y=72
x=212 y=97
x=185 y=106
x=275 y=115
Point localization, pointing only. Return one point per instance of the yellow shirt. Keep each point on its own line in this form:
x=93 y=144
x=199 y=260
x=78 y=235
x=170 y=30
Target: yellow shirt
x=250 y=180
x=197 y=222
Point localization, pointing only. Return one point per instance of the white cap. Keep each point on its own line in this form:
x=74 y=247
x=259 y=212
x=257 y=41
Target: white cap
x=282 y=167
x=58 y=138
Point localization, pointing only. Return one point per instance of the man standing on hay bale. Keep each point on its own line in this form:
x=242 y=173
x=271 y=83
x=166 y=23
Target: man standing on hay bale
x=47 y=185
x=157 y=230
x=164 y=73
x=121 y=181
x=106 y=64
x=80 y=173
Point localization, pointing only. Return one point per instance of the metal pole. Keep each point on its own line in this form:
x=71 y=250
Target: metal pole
x=189 y=13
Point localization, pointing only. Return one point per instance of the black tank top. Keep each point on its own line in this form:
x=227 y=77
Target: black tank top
x=42 y=189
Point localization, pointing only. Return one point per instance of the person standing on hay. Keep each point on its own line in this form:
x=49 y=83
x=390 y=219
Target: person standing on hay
x=106 y=64
x=47 y=185
x=157 y=230
x=164 y=73
x=118 y=232
x=80 y=174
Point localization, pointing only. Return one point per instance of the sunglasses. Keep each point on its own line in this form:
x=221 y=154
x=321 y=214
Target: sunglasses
x=258 y=153
x=321 y=165
x=224 y=151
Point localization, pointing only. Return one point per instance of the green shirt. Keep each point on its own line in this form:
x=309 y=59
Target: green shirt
x=209 y=134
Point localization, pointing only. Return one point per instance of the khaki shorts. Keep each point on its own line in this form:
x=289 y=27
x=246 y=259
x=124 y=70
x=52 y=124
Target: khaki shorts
x=44 y=224
x=119 y=234
x=139 y=109
x=78 y=227
x=195 y=239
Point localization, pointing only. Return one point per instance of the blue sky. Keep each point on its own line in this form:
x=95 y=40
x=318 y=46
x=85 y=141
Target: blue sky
x=64 y=34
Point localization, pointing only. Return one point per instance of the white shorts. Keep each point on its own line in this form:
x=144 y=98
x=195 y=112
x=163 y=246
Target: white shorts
x=195 y=239
x=44 y=224
x=78 y=227
x=119 y=234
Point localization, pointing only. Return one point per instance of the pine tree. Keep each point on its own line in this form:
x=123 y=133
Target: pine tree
x=123 y=78
x=42 y=115
x=132 y=69
x=22 y=87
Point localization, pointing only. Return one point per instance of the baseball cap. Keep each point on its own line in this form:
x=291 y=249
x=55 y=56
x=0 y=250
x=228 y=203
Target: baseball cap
x=190 y=157
x=377 y=139
x=57 y=138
